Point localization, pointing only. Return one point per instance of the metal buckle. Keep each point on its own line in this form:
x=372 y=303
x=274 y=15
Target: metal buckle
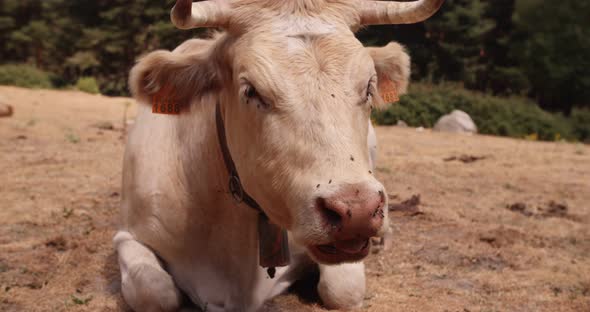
x=235 y=187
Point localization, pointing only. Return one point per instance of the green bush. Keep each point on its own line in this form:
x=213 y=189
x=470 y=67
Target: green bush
x=581 y=124
x=513 y=116
x=508 y=81
x=88 y=85
x=23 y=75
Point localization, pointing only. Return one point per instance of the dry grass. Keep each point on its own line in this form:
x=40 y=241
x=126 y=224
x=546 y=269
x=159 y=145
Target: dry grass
x=508 y=232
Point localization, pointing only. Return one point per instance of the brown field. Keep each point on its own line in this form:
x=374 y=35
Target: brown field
x=507 y=232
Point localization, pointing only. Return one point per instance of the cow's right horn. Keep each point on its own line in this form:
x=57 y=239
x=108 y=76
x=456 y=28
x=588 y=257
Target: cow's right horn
x=186 y=14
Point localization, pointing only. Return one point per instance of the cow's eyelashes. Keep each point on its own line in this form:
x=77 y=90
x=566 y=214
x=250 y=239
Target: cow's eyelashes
x=369 y=94
x=372 y=88
x=252 y=96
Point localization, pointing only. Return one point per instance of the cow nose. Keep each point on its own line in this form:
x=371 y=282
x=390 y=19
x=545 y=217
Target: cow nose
x=353 y=212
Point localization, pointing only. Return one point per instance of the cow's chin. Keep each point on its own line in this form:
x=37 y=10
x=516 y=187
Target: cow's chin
x=332 y=254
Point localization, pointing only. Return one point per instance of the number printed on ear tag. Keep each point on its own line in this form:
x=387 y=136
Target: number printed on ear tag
x=387 y=89
x=165 y=102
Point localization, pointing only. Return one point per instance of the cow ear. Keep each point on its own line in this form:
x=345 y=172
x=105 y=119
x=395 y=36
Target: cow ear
x=178 y=77
x=392 y=64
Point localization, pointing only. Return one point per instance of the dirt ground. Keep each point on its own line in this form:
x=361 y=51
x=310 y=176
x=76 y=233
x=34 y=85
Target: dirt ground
x=480 y=223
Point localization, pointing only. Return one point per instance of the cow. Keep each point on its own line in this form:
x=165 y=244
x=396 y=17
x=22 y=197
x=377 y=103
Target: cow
x=250 y=163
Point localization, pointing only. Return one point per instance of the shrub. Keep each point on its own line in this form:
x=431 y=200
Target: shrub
x=88 y=85
x=513 y=116
x=581 y=124
x=508 y=81
x=59 y=82
x=23 y=75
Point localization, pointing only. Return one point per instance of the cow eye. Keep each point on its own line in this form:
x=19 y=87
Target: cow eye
x=252 y=97
x=250 y=92
x=370 y=91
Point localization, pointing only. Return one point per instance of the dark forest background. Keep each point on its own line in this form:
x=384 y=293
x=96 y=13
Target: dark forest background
x=535 y=50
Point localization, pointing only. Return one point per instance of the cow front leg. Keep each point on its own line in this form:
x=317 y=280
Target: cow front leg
x=342 y=286
x=146 y=286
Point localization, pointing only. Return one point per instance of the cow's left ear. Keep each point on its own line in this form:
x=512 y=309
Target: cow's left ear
x=393 y=71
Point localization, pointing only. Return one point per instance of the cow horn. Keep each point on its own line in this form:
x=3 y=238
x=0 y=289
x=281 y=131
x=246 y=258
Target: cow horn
x=186 y=14
x=395 y=12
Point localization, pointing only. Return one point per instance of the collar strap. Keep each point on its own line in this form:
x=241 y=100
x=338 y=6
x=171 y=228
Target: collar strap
x=273 y=242
x=235 y=185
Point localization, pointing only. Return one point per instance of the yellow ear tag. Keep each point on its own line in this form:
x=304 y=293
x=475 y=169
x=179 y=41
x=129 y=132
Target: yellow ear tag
x=165 y=102
x=387 y=89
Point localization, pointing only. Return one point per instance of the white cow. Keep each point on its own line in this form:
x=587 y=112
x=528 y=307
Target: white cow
x=278 y=104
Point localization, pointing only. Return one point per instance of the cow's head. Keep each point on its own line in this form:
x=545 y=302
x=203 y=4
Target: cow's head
x=296 y=90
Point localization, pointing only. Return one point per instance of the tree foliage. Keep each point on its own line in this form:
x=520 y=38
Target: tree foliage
x=75 y=39
x=553 y=44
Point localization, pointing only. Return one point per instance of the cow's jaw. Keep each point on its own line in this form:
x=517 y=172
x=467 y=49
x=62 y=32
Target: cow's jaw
x=340 y=251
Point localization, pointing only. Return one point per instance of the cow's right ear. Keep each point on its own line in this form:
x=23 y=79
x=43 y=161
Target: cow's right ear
x=172 y=76
x=392 y=64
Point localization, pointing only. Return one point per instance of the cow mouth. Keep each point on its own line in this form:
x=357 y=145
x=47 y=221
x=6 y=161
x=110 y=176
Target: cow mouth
x=341 y=251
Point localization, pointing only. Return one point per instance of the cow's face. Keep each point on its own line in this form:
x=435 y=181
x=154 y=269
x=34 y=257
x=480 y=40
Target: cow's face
x=297 y=128
x=296 y=90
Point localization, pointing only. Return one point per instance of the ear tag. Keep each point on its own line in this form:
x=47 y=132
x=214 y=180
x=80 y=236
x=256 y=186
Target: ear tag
x=165 y=102
x=387 y=89
x=273 y=245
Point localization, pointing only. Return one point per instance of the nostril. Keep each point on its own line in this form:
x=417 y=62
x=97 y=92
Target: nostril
x=331 y=216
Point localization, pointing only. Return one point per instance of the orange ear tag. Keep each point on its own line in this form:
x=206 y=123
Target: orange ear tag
x=165 y=102
x=387 y=89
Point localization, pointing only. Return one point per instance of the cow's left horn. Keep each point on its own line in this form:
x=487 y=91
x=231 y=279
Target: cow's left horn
x=395 y=12
x=186 y=14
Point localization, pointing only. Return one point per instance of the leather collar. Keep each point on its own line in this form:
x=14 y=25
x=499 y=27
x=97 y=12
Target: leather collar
x=235 y=185
x=272 y=240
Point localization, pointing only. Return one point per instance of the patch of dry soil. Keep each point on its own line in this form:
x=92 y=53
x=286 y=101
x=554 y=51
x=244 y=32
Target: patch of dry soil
x=506 y=230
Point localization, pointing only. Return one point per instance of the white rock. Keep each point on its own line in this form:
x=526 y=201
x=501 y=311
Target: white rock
x=401 y=124
x=457 y=122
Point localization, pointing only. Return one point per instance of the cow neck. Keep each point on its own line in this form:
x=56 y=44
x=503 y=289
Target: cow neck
x=273 y=242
